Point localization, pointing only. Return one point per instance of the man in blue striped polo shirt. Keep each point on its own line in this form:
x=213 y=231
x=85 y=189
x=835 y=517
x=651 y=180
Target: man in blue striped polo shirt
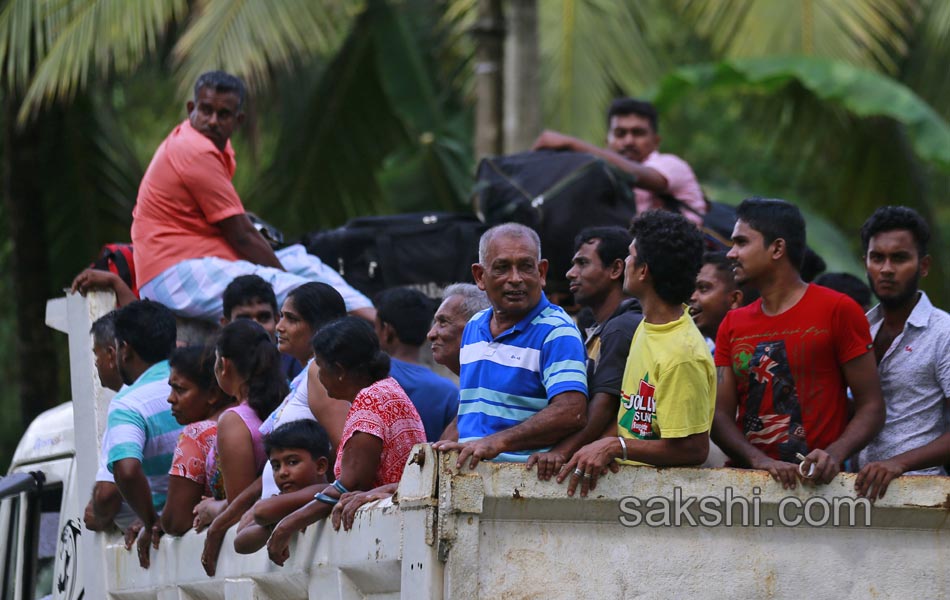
x=523 y=380
x=141 y=433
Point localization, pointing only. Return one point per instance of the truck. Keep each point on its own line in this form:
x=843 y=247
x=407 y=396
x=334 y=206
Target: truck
x=492 y=532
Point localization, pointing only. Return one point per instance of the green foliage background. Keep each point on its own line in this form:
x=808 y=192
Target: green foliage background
x=366 y=107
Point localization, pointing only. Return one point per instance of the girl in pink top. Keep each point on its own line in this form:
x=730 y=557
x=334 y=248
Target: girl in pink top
x=252 y=422
x=248 y=368
x=196 y=401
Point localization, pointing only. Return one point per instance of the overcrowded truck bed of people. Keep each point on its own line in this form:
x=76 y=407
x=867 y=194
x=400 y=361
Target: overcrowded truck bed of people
x=307 y=401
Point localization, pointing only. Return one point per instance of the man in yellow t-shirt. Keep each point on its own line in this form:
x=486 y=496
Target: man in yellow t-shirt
x=668 y=393
x=668 y=388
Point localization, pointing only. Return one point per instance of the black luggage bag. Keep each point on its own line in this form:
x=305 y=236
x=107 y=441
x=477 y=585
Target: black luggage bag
x=718 y=222
x=557 y=194
x=424 y=250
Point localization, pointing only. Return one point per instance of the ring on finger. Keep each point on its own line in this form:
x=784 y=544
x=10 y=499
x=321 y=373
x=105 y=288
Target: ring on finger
x=811 y=470
x=586 y=475
x=578 y=472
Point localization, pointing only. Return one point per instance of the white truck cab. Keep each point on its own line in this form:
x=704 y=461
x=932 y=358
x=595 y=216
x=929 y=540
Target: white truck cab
x=38 y=511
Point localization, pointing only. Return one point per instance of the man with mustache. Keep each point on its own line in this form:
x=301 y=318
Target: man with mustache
x=784 y=362
x=190 y=231
x=106 y=503
x=633 y=141
x=912 y=348
x=523 y=379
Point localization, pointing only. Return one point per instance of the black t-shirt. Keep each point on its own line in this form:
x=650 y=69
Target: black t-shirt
x=607 y=346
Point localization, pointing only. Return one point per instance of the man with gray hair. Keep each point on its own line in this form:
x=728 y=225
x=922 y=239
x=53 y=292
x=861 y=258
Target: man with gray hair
x=106 y=505
x=523 y=374
x=460 y=302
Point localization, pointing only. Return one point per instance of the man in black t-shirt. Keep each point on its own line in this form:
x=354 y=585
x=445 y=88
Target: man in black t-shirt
x=596 y=280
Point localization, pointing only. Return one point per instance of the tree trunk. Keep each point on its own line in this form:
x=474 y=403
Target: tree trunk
x=522 y=76
x=489 y=33
x=23 y=174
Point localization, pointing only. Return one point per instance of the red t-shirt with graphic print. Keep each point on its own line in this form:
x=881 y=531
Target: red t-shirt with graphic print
x=791 y=392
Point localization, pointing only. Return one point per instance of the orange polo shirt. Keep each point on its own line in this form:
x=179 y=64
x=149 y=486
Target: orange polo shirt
x=186 y=191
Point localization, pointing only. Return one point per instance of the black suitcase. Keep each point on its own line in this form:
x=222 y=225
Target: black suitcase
x=424 y=250
x=718 y=222
x=556 y=193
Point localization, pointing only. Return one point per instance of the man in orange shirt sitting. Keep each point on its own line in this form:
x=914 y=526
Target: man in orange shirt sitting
x=189 y=229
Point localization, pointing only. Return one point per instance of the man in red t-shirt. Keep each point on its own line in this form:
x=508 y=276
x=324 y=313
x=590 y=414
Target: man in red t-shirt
x=785 y=361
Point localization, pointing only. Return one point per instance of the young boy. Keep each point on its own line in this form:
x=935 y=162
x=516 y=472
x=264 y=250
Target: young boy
x=299 y=452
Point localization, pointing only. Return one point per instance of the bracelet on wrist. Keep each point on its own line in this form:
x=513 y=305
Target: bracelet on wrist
x=321 y=497
x=623 y=445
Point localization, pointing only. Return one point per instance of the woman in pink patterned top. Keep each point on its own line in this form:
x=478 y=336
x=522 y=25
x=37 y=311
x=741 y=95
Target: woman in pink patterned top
x=381 y=427
x=196 y=401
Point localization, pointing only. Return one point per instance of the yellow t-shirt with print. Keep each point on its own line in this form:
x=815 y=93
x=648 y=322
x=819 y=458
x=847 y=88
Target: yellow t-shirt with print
x=669 y=383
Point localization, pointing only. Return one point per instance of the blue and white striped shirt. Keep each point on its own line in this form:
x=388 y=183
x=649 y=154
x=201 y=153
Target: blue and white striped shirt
x=141 y=426
x=507 y=379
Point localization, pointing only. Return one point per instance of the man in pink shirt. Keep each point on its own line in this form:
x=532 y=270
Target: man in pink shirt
x=663 y=180
x=189 y=229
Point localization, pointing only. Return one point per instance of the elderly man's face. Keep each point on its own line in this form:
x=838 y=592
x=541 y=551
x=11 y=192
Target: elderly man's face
x=512 y=275
x=445 y=335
